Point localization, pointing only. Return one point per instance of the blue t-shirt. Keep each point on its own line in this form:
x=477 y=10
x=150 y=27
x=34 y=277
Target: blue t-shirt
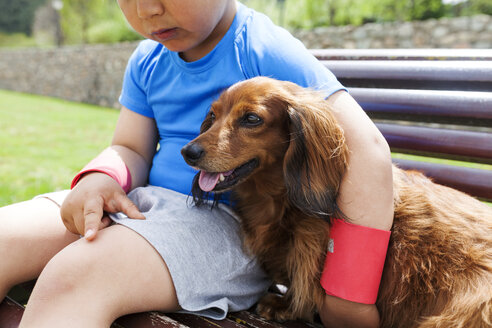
x=178 y=94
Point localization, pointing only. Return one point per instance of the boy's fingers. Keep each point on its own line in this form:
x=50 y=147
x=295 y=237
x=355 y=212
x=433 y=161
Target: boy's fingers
x=68 y=220
x=93 y=212
x=70 y=225
x=78 y=222
x=105 y=222
x=125 y=205
x=90 y=234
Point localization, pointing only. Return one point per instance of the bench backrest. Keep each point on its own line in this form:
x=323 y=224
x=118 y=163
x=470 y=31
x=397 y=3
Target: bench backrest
x=432 y=103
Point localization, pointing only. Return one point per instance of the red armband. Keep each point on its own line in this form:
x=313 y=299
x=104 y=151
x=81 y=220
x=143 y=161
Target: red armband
x=110 y=163
x=354 y=262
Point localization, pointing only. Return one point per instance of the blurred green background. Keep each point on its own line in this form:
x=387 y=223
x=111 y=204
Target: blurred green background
x=46 y=141
x=100 y=21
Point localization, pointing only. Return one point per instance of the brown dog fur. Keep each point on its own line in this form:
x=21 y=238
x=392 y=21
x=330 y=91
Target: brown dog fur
x=438 y=270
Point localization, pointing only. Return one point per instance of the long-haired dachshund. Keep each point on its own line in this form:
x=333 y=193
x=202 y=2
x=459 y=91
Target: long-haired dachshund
x=278 y=147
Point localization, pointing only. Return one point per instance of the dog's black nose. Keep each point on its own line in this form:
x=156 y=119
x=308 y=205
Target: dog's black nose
x=192 y=152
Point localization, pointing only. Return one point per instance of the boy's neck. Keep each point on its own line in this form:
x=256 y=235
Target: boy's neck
x=215 y=36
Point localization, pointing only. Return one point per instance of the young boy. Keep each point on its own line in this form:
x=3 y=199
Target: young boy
x=163 y=254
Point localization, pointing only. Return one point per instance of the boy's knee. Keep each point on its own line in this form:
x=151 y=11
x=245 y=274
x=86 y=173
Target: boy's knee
x=65 y=273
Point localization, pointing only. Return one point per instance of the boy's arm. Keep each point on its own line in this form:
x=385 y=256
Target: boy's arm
x=366 y=192
x=365 y=197
x=134 y=143
x=340 y=313
x=135 y=139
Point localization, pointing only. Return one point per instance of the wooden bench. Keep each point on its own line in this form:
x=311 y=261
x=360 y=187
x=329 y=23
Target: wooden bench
x=11 y=310
x=431 y=103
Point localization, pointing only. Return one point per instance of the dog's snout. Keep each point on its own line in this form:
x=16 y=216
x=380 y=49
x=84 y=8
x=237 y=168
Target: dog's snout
x=192 y=152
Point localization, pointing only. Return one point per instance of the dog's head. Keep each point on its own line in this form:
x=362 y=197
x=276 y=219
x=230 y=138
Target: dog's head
x=264 y=130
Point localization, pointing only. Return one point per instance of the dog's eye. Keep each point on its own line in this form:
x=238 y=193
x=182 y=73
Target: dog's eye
x=251 y=119
x=212 y=116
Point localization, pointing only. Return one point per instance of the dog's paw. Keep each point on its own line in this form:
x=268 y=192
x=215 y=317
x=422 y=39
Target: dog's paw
x=274 y=307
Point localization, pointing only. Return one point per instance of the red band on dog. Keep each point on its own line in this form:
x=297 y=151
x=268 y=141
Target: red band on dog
x=354 y=262
x=110 y=163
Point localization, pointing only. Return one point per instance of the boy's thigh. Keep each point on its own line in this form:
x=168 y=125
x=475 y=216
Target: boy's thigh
x=35 y=220
x=31 y=233
x=119 y=269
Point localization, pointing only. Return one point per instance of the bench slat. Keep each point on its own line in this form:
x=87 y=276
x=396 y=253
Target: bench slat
x=403 y=54
x=199 y=322
x=412 y=70
x=251 y=320
x=463 y=104
x=475 y=182
x=254 y=321
x=10 y=313
x=147 y=320
x=441 y=141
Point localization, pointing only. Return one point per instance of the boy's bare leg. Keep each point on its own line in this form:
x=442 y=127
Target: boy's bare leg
x=90 y=284
x=31 y=233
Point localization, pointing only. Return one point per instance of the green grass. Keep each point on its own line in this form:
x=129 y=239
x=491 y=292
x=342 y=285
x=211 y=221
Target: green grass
x=443 y=161
x=45 y=141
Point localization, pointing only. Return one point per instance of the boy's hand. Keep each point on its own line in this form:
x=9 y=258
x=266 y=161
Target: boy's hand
x=83 y=211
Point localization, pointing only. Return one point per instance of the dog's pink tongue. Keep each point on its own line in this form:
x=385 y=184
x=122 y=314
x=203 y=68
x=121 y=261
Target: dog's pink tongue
x=207 y=180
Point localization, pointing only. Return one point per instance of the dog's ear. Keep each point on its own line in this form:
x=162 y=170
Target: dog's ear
x=316 y=158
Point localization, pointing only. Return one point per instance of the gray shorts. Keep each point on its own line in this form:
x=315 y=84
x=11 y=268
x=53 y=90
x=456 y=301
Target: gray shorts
x=201 y=247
